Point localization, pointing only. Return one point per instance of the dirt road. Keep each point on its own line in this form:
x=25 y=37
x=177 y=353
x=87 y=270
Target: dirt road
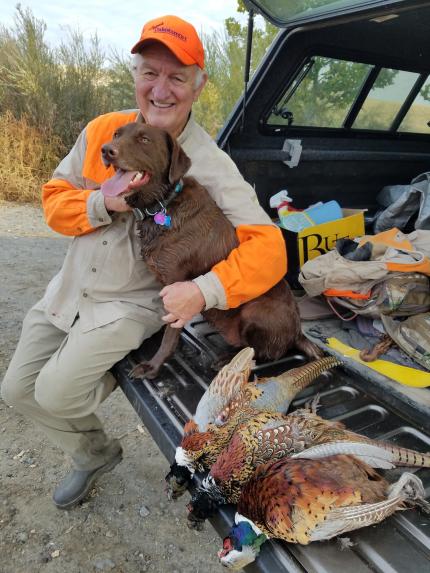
x=127 y=526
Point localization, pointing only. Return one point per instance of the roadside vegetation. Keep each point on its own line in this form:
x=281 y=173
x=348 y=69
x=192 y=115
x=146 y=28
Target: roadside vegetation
x=47 y=94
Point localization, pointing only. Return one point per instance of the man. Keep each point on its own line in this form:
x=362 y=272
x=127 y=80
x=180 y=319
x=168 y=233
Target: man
x=104 y=302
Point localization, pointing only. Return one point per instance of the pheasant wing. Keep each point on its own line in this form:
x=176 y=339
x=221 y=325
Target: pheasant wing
x=226 y=384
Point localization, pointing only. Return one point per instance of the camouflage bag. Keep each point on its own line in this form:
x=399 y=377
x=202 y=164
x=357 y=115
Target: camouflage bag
x=412 y=335
x=404 y=295
x=396 y=297
x=399 y=294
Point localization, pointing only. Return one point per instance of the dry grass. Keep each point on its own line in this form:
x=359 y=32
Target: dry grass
x=28 y=159
x=51 y=94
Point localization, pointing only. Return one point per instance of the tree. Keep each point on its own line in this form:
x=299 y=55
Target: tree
x=59 y=91
x=225 y=63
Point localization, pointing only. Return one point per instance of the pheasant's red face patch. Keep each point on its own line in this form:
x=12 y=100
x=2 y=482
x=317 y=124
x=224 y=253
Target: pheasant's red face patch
x=227 y=546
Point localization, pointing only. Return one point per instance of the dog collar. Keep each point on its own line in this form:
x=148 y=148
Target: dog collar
x=158 y=214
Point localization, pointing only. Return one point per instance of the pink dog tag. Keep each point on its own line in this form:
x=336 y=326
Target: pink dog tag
x=162 y=219
x=159 y=218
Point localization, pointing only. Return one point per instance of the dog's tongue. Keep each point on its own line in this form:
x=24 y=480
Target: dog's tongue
x=118 y=183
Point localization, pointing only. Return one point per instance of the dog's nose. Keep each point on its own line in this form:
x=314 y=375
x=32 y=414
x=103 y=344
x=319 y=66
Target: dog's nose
x=109 y=152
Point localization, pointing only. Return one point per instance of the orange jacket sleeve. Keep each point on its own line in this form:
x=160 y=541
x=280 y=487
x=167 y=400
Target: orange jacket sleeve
x=66 y=208
x=257 y=264
x=70 y=208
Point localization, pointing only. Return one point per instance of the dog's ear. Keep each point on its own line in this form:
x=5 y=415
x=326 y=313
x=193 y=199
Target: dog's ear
x=179 y=160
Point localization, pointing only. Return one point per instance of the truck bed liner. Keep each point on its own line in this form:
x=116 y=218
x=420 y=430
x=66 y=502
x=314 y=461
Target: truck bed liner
x=399 y=544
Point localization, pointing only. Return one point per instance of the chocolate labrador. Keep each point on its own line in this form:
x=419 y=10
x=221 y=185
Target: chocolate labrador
x=184 y=234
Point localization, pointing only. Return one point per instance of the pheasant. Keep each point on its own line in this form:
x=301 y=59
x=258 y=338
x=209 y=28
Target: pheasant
x=231 y=398
x=301 y=501
x=270 y=436
x=223 y=387
x=276 y=394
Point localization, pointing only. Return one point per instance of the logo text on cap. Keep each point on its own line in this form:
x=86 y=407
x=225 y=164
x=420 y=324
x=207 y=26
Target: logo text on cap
x=160 y=29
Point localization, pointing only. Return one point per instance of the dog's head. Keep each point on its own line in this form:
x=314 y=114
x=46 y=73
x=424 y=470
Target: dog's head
x=149 y=159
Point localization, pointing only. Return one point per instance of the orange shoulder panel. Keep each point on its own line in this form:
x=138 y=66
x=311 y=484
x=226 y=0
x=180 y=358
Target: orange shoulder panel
x=257 y=264
x=65 y=206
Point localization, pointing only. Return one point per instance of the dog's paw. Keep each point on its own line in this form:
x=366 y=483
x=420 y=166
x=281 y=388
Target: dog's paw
x=144 y=370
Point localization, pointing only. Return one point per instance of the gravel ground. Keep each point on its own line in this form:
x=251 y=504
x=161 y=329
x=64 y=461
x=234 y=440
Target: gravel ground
x=127 y=526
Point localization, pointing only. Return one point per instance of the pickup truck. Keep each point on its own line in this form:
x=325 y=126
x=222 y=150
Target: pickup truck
x=338 y=108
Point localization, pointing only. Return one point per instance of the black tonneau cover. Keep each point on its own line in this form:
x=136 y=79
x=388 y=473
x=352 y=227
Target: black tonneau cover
x=400 y=544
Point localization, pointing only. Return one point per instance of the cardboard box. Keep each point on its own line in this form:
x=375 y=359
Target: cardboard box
x=318 y=239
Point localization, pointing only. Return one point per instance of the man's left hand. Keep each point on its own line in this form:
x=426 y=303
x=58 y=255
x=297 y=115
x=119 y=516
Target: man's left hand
x=182 y=301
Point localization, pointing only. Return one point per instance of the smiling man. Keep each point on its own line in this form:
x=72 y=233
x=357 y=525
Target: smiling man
x=104 y=302
x=165 y=88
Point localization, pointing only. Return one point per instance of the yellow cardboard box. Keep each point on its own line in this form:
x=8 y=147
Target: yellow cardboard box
x=317 y=240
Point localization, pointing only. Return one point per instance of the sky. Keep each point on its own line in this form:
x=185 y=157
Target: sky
x=118 y=23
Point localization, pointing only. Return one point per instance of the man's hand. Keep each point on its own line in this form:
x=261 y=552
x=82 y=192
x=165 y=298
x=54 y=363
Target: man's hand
x=182 y=301
x=117 y=204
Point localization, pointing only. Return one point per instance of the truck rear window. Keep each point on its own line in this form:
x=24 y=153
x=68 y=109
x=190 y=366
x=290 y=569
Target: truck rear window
x=342 y=94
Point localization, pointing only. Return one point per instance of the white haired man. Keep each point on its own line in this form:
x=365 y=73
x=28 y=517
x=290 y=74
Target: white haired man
x=104 y=302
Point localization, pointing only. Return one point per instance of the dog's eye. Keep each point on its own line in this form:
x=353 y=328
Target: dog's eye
x=144 y=139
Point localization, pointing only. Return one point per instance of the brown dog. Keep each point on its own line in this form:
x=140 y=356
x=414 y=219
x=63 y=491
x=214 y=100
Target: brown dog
x=199 y=236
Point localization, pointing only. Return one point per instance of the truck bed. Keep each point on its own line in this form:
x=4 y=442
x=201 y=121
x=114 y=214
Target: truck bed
x=399 y=544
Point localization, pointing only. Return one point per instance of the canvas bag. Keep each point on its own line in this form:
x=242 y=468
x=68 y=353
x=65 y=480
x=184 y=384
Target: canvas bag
x=393 y=281
x=392 y=253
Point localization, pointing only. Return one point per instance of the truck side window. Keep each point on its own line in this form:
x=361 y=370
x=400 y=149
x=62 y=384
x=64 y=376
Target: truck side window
x=417 y=119
x=383 y=103
x=347 y=95
x=322 y=96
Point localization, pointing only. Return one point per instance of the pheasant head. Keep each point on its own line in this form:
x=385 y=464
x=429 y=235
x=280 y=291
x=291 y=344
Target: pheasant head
x=187 y=461
x=197 y=452
x=178 y=480
x=222 y=485
x=204 y=503
x=242 y=545
x=201 y=442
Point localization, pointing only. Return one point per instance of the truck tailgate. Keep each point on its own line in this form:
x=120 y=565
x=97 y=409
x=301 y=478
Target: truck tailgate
x=399 y=544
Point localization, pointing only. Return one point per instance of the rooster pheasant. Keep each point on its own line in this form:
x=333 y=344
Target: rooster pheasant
x=197 y=434
x=270 y=436
x=301 y=501
x=231 y=398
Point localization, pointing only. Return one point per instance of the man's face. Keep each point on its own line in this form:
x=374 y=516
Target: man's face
x=165 y=88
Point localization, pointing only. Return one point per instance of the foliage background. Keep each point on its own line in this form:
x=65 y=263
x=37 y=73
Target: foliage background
x=47 y=96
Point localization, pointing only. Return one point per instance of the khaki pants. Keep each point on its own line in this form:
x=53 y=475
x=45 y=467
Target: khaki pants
x=58 y=379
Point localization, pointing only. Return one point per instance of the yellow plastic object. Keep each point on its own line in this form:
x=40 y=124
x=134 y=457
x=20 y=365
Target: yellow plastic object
x=402 y=374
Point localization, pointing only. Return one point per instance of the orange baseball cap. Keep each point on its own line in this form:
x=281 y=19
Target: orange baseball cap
x=176 y=34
